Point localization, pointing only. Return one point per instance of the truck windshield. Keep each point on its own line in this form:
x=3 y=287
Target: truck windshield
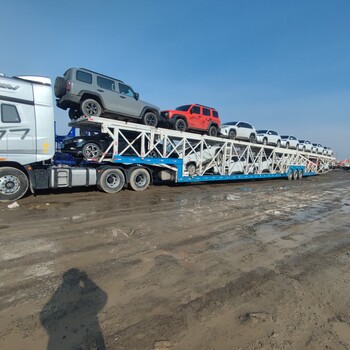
x=183 y=108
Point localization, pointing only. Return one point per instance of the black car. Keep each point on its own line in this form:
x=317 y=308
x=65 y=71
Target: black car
x=91 y=146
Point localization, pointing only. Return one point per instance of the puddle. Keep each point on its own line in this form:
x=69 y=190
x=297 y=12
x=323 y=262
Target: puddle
x=232 y=197
x=246 y=189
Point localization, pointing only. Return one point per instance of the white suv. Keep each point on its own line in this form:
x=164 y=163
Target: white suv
x=327 y=151
x=239 y=131
x=305 y=146
x=289 y=141
x=317 y=148
x=269 y=137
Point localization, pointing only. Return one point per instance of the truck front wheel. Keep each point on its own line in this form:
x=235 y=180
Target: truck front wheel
x=111 y=181
x=13 y=184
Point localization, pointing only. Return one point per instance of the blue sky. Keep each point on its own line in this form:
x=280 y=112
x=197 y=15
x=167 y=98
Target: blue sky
x=276 y=64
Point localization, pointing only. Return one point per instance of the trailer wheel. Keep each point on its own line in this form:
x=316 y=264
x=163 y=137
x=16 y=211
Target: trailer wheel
x=140 y=179
x=13 y=184
x=295 y=174
x=290 y=175
x=91 y=108
x=111 y=181
x=300 y=174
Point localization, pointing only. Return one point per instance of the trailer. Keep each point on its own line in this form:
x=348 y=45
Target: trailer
x=136 y=156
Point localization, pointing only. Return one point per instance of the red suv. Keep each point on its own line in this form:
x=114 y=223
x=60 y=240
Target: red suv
x=192 y=117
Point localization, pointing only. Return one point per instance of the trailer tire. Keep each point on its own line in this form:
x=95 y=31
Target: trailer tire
x=91 y=108
x=300 y=174
x=111 y=181
x=139 y=179
x=59 y=87
x=290 y=175
x=295 y=174
x=13 y=184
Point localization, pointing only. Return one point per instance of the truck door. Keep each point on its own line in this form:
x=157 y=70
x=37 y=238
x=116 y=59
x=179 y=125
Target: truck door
x=18 y=132
x=127 y=101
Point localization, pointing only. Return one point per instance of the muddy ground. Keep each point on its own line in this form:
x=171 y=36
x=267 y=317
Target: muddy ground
x=249 y=265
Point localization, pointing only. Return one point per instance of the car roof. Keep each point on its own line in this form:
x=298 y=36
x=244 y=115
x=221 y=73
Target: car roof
x=197 y=104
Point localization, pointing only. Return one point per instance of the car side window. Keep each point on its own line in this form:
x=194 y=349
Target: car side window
x=196 y=109
x=9 y=114
x=206 y=111
x=84 y=77
x=126 y=90
x=105 y=83
x=215 y=114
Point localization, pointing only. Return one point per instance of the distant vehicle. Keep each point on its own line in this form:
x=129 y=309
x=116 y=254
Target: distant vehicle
x=317 y=148
x=88 y=93
x=192 y=117
x=192 y=161
x=327 y=151
x=238 y=130
x=305 y=146
x=238 y=165
x=268 y=137
x=288 y=141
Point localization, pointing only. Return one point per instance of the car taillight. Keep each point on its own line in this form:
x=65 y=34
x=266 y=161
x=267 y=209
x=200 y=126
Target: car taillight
x=68 y=85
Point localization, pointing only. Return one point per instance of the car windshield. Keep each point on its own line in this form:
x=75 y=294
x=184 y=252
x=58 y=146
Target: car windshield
x=301 y=141
x=284 y=137
x=183 y=108
x=261 y=131
x=314 y=144
x=230 y=123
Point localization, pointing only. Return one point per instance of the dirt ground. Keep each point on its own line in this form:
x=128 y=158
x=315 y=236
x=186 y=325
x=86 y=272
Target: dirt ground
x=248 y=265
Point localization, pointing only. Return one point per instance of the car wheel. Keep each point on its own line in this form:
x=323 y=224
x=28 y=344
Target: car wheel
x=13 y=184
x=91 y=150
x=213 y=131
x=191 y=168
x=150 y=119
x=91 y=108
x=287 y=145
x=278 y=144
x=180 y=125
x=252 y=138
x=232 y=134
x=59 y=87
x=304 y=149
x=111 y=181
x=265 y=141
x=140 y=179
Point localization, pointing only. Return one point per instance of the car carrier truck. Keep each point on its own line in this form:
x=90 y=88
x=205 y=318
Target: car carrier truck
x=137 y=153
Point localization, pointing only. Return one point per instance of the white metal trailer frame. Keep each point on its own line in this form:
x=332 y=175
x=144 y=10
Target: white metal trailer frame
x=173 y=150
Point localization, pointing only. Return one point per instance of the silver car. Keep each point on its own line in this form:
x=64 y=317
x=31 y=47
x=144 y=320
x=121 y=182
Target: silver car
x=238 y=130
x=269 y=137
x=305 y=146
x=89 y=93
x=288 y=141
